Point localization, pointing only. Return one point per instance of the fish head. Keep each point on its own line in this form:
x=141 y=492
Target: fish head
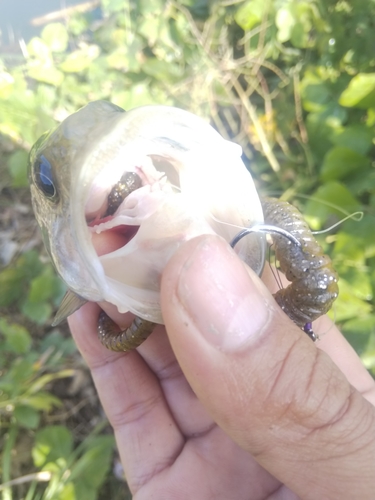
x=55 y=163
x=192 y=182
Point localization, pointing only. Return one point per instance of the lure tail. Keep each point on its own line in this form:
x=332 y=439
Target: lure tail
x=313 y=287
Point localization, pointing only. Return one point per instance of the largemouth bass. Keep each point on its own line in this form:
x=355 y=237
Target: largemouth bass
x=186 y=181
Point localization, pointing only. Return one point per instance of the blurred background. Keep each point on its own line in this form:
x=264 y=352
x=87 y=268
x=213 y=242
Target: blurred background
x=291 y=81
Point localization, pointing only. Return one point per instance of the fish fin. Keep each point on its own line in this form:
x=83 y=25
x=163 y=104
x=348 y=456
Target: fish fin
x=70 y=303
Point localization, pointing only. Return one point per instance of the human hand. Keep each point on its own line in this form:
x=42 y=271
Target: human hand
x=234 y=401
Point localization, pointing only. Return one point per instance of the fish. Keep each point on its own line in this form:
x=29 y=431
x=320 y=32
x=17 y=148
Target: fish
x=186 y=180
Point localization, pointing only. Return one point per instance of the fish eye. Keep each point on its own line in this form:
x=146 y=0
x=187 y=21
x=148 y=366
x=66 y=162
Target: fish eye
x=43 y=177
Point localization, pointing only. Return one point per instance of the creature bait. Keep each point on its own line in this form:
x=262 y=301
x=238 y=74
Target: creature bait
x=313 y=287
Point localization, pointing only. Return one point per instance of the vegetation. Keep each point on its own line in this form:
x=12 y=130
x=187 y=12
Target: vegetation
x=292 y=81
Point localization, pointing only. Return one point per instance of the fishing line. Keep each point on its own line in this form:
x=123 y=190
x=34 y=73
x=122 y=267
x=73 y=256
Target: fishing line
x=356 y=216
x=268 y=229
x=318 y=200
x=274 y=269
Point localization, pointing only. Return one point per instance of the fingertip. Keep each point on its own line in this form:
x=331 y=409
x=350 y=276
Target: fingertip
x=226 y=301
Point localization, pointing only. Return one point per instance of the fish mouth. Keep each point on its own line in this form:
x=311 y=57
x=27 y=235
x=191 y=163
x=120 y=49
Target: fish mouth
x=126 y=232
x=121 y=207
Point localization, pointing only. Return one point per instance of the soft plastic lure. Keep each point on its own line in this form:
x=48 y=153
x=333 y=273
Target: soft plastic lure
x=313 y=287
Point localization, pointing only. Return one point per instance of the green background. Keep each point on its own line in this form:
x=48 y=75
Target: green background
x=293 y=82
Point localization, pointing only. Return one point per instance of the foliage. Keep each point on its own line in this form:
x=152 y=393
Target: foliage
x=292 y=81
x=32 y=286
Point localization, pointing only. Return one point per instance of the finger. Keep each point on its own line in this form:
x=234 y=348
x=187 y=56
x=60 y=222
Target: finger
x=189 y=414
x=344 y=356
x=335 y=345
x=262 y=379
x=147 y=436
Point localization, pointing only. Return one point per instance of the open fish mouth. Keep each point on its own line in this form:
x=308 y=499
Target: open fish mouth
x=158 y=176
x=153 y=217
x=123 y=207
x=106 y=218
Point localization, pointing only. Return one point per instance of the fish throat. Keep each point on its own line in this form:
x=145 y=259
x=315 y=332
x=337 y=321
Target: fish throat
x=110 y=335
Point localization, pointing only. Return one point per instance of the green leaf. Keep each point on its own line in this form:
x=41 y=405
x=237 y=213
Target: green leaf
x=27 y=416
x=44 y=287
x=18 y=338
x=138 y=95
x=37 y=48
x=364 y=325
x=356 y=242
x=355 y=137
x=38 y=312
x=358 y=330
x=20 y=373
x=360 y=282
x=340 y=162
x=362 y=182
x=80 y=59
x=347 y=244
x=17 y=165
x=36 y=386
x=162 y=71
x=42 y=401
x=6 y=83
x=60 y=346
x=316 y=95
x=333 y=198
x=45 y=72
x=119 y=59
x=112 y=6
x=13 y=279
x=92 y=468
x=299 y=36
x=68 y=492
x=250 y=14
x=347 y=305
x=360 y=92
x=284 y=22
x=55 y=35
x=320 y=135
x=52 y=443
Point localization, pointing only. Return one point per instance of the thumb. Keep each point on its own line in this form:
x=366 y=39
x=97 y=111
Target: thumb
x=262 y=379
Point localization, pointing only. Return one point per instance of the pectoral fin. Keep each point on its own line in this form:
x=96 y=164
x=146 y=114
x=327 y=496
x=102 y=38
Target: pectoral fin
x=70 y=303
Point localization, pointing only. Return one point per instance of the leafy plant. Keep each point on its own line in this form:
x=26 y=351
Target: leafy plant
x=292 y=81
